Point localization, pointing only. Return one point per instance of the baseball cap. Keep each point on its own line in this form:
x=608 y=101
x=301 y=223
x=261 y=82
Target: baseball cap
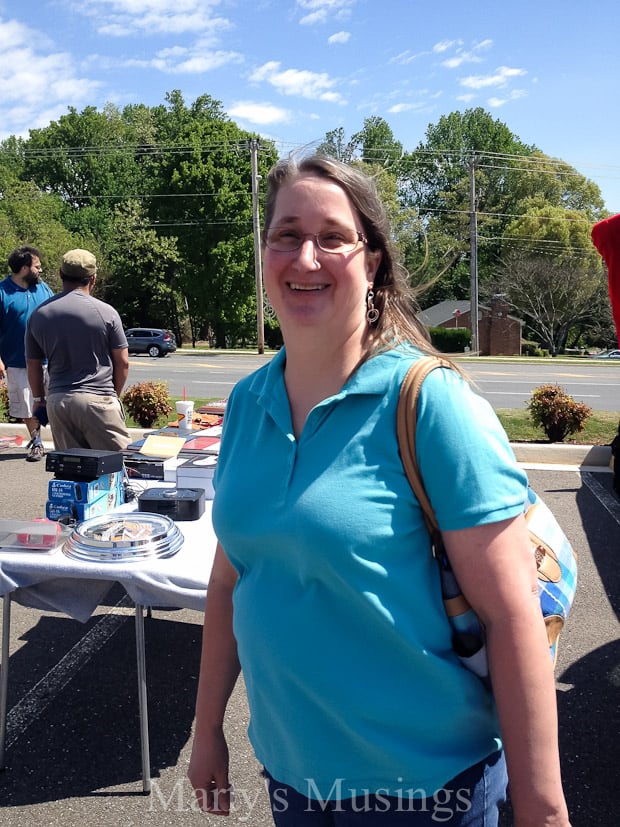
x=78 y=264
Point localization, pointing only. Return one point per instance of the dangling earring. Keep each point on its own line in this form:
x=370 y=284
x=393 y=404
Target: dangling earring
x=372 y=314
x=268 y=310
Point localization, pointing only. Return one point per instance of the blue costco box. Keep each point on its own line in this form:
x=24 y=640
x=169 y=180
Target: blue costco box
x=69 y=491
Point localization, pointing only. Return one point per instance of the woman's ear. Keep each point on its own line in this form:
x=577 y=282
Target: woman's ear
x=373 y=260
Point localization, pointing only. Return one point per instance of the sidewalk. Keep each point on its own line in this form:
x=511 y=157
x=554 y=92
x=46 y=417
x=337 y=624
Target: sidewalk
x=527 y=453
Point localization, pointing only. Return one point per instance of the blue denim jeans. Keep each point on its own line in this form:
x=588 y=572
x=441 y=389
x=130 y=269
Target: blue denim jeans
x=472 y=799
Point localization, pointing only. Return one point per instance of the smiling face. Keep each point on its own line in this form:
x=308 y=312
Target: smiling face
x=311 y=289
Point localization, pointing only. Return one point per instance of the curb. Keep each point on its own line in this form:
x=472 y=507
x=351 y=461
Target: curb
x=557 y=454
x=526 y=452
x=18 y=428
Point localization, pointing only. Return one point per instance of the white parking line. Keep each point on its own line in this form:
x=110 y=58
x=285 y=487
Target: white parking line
x=607 y=500
x=204 y=382
x=520 y=393
x=34 y=702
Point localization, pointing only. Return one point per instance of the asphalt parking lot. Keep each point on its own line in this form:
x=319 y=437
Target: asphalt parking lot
x=73 y=743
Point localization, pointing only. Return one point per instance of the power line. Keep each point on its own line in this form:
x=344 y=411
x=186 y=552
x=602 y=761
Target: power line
x=518 y=163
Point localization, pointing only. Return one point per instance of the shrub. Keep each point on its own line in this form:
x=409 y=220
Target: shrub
x=557 y=413
x=532 y=349
x=4 y=399
x=146 y=402
x=450 y=339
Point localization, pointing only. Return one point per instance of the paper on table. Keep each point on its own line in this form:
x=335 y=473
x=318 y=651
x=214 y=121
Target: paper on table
x=162 y=446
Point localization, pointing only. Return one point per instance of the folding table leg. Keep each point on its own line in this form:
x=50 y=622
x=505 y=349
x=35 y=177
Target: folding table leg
x=4 y=670
x=142 y=699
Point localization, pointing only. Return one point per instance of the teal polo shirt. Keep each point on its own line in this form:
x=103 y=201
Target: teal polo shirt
x=343 y=641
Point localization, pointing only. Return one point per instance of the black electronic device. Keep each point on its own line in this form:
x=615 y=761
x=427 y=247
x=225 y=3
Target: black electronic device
x=176 y=503
x=82 y=463
x=140 y=466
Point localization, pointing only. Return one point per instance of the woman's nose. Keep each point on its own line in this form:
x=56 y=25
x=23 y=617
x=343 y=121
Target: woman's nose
x=307 y=253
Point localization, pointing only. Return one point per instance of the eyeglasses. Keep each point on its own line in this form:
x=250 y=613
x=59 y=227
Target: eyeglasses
x=285 y=240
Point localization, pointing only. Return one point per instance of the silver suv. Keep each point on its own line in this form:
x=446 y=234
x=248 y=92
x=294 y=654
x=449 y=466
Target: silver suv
x=151 y=340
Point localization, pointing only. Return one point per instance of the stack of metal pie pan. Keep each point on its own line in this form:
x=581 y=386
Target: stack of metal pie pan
x=116 y=538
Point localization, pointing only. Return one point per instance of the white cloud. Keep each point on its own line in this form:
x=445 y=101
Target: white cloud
x=38 y=83
x=444 y=45
x=495 y=103
x=122 y=18
x=179 y=60
x=316 y=17
x=300 y=82
x=263 y=114
x=500 y=78
x=466 y=55
x=339 y=37
x=14 y=34
x=458 y=60
x=407 y=57
x=404 y=107
x=323 y=11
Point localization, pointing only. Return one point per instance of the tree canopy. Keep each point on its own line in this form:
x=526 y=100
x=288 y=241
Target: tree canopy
x=163 y=197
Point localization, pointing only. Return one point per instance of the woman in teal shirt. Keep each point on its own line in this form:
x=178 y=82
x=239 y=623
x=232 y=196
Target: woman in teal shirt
x=324 y=590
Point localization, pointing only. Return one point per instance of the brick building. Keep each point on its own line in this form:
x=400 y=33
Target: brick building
x=499 y=333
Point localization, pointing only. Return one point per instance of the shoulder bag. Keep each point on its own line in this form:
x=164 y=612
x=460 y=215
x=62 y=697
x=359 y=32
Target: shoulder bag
x=555 y=559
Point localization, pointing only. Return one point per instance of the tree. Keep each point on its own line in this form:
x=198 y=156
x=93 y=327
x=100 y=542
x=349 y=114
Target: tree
x=144 y=269
x=552 y=295
x=203 y=189
x=336 y=146
x=374 y=144
x=549 y=230
x=540 y=179
x=436 y=177
x=440 y=165
x=86 y=160
x=149 y=172
x=510 y=178
x=377 y=144
x=29 y=216
x=551 y=273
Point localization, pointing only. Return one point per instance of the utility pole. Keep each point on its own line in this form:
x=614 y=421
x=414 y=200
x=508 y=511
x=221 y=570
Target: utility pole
x=258 y=265
x=473 y=257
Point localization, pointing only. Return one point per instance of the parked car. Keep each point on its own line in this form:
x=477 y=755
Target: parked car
x=606 y=354
x=151 y=340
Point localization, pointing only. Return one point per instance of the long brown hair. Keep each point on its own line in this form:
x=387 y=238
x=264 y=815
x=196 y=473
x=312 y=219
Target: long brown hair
x=393 y=297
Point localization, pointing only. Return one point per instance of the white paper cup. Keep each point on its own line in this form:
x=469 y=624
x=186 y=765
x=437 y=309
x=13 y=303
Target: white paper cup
x=185 y=414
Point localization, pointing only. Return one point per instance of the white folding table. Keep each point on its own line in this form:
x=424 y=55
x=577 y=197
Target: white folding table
x=57 y=583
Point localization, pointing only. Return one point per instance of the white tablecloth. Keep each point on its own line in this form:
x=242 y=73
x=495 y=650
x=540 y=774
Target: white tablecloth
x=56 y=582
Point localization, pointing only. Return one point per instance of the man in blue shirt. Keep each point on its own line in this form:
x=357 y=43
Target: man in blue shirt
x=21 y=292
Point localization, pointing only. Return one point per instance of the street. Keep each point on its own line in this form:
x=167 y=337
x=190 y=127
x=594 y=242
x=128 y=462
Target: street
x=505 y=383
x=73 y=746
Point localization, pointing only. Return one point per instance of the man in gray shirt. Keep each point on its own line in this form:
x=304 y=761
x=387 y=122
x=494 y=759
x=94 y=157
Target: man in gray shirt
x=83 y=340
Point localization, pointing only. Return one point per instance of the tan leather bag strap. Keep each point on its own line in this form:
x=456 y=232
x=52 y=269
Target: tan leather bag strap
x=406 y=420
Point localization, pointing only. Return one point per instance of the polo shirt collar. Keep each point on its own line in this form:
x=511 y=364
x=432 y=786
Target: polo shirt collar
x=371 y=378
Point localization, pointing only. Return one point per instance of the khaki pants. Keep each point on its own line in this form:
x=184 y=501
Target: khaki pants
x=87 y=420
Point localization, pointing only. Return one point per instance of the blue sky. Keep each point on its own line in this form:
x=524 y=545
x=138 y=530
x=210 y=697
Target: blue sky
x=294 y=69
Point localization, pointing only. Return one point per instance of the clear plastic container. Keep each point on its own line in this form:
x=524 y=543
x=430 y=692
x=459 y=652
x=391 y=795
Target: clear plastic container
x=39 y=535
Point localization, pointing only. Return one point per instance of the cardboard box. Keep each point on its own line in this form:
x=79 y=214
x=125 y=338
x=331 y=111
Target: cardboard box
x=197 y=472
x=63 y=491
x=170 y=468
x=83 y=511
x=217 y=407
